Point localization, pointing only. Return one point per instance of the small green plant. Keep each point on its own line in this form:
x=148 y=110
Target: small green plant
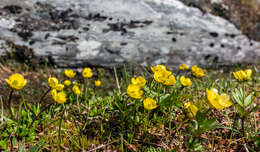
x=200 y=125
x=244 y=106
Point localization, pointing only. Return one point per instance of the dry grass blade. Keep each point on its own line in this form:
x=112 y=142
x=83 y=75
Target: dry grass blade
x=117 y=82
x=103 y=146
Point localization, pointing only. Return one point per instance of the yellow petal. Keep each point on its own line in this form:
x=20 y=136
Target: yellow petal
x=61 y=97
x=225 y=100
x=97 y=83
x=185 y=81
x=54 y=94
x=248 y=74
x=8 y=81
x=150 y=104
x=134 y=91
x=214 y=98
x=170 y=81
x=59 y=87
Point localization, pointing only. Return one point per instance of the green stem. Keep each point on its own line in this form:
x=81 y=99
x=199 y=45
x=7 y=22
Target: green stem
x=134 y=111
x=232 y=130
x=147 y=121
x=25 y=104
x=191 y=144
x=243 y=125
x=212 y=144
x=9 y=104
x=60 y=123
x=78 y=102
x=255 y=121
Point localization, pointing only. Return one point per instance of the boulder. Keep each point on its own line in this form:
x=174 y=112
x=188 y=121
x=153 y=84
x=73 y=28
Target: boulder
x=73 y=33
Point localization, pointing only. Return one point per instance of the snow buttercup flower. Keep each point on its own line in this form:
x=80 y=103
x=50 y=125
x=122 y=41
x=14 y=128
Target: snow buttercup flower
x=16 y=81
x=87 y=73
x=150 y=104
x=185 y=81
x=218 y=101
x=134 y=91
x=70 y=73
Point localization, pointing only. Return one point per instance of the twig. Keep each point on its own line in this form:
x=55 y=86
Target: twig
x=5 y=68
x=102 y=146
x=130 y=104
x=117 y=82
x=246 y=148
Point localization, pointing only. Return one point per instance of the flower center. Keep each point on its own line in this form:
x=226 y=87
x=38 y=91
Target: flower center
x=15 y=82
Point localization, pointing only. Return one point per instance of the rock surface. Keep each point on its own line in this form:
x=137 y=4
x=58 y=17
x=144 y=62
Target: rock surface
x=244 y=14
x=109 y=33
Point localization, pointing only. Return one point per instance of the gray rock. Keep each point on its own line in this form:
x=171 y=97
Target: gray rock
x=113 y=32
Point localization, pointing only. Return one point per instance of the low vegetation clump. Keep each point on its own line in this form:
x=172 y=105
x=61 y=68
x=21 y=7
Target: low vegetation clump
x=153 y=110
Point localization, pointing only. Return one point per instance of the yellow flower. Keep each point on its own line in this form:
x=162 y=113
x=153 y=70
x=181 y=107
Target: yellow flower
x=243 y=75
x=76 y=90
x=97 y=83
x=67 y=82
x=248 y=74
x=197 y=72
x=185 y=81
x=161 y=76
x=87 y=73
x=16 y=81
x=239 y=75
x=170 y=81
x=134 y=91
x=140 y=81
x=59 y=97
x=54 y=83
x=70 y=73
x=190 y=109
x=218 y=101
x=150 y=104
x=183 y=67
x=158 y=68
x=59 y=87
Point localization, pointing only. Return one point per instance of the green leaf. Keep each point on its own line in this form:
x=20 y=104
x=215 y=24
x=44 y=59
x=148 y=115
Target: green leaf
x=194 y=145
x=33 y=149
x=4 y=143
x=205 y=126
x=209 y=124
x=14 y=141
x=200 y=117
x=37 y=147
x=248 y=100
x=165 y=100
x=230 y=128
x=198 y=147
x=241 y=110
x=237 y=95
x=257 y=141
x=253 y=109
